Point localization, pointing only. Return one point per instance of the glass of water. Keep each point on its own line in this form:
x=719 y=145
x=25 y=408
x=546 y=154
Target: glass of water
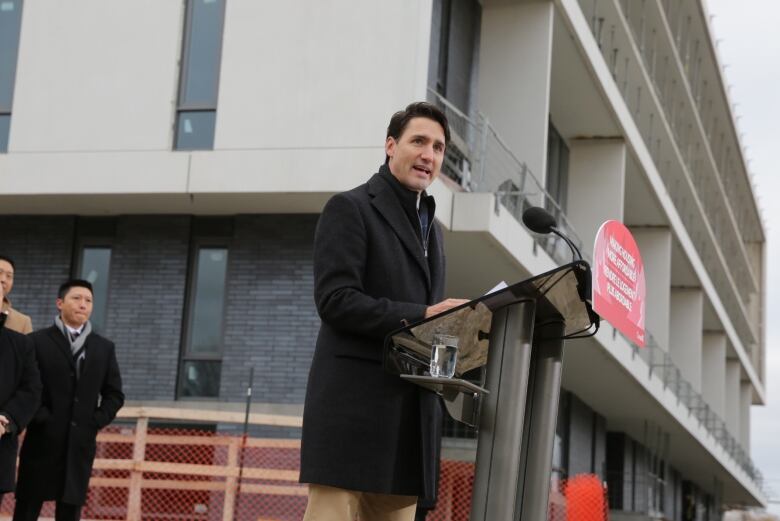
x=444 y=355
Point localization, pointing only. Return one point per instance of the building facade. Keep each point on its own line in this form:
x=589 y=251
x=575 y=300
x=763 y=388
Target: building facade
x=177 y=153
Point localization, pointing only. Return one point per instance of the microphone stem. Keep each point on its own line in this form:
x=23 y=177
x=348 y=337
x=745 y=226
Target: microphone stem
x=575 y=252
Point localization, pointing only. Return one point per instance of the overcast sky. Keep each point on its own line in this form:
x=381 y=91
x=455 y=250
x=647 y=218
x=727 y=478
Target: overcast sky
x=749 y=46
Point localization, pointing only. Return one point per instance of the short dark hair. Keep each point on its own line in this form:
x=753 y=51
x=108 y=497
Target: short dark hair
x=8 y=259
x=73 y=283
x=418 y=109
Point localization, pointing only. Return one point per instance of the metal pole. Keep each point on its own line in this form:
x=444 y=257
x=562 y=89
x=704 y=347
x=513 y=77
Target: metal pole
x=243 y=438
x=541 y=414
x=501 y=421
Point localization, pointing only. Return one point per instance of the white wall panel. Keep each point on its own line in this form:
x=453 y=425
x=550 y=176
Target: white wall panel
x=514 y=80
x=686 y=311
x=96 y=75
x=655 y=246
x=713 y=382
x=304 y=74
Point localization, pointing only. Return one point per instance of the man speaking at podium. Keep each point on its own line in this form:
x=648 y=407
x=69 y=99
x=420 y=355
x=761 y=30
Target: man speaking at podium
x=370 y=440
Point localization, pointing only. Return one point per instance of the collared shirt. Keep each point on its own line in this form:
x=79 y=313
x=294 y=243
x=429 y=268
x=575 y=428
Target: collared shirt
x=74 y=332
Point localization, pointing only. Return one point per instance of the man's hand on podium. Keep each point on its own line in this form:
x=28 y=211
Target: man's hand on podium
x=443 y=306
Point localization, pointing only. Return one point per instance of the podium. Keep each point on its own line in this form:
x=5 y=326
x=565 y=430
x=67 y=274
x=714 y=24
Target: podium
x=516 y=336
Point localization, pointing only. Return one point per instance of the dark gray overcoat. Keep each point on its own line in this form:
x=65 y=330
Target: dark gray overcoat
x=364 y=429
x=59 y=448
x=20 y=395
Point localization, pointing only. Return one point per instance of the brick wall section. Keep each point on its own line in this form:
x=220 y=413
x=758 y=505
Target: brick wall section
x=270 y=319
x=271 y=322
x=42 y=249
x=147 y=277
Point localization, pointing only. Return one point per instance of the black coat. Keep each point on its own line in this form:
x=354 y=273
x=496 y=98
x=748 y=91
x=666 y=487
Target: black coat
x=59 y=449
x=364 y=429
x=20 y=395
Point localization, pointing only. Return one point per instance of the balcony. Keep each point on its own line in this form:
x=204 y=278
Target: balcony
x=478 y=161
x=656 y=54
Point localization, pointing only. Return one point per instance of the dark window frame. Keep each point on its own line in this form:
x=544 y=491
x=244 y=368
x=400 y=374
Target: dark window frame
x=4 y=142
x=559 y=192
x=444 y=47
x=179 y=114
x=94 y=242
x=6 y=111
x=185 y=60
x=196 y=245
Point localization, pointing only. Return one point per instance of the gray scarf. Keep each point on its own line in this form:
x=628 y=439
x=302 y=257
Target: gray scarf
x=78 y=343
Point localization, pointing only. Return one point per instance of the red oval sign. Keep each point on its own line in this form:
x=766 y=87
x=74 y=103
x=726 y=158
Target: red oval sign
x=619 y=281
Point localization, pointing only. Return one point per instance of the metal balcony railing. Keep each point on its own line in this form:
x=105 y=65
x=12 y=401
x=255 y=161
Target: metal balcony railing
x=478 y=160
x=660 y=364
x=660 y=82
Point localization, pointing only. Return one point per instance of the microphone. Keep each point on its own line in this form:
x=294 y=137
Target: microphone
x=539 y=220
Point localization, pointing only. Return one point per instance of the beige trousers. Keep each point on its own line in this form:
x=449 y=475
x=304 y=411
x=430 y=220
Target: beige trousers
x=338 y=504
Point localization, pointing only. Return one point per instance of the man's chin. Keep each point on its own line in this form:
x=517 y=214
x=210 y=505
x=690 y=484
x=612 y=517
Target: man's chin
x=421 y=184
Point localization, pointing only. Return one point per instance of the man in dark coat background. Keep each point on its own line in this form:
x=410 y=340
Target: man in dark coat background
x=82 y=392
x=370 y=440
x=20 y=395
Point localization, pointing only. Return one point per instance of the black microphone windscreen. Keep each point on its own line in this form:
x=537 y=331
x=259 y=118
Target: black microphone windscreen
x=538 y=220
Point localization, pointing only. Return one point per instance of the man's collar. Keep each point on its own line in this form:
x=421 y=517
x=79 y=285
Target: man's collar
x=403 y=192
x=73 y=329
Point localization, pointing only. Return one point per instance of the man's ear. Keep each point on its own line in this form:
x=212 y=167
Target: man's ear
x=59 y=304
x=390 y=146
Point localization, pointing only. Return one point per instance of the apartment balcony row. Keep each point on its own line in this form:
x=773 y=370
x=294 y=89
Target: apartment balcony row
x=478 y=161
x=684 y=135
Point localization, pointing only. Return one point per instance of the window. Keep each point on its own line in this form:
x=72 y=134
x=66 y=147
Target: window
x=454 y=50
x=95 y=264
x=10 y=26
x=199 y=81
x=557 y=179
x=195 y=130
x=202 y=350
x=92 y=262
x=5 y=128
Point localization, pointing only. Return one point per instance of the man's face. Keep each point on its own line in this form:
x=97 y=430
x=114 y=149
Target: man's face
x=76 y=307
x=417 y=155
x=6 y=276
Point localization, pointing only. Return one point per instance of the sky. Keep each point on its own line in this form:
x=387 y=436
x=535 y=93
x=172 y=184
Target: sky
x=748 y=34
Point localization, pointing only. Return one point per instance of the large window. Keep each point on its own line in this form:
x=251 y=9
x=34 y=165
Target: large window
x=10 y=26
x=557 y=179
x=455 y=50
x=94 y=267
x=199 y=81
x=202 y=348
x=92 y=262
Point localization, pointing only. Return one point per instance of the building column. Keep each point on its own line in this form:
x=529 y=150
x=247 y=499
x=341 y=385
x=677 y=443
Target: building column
x=597 y=177
x=746 y=400
x=714 y=371
x=655 y=247
x=515 y=56
x=686 y=315
x=733 y=392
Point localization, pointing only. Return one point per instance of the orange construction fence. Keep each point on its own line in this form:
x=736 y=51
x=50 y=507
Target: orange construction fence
x=173 y=474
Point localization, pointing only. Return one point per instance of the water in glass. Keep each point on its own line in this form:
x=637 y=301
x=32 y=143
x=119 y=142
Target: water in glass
x=444 y=356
